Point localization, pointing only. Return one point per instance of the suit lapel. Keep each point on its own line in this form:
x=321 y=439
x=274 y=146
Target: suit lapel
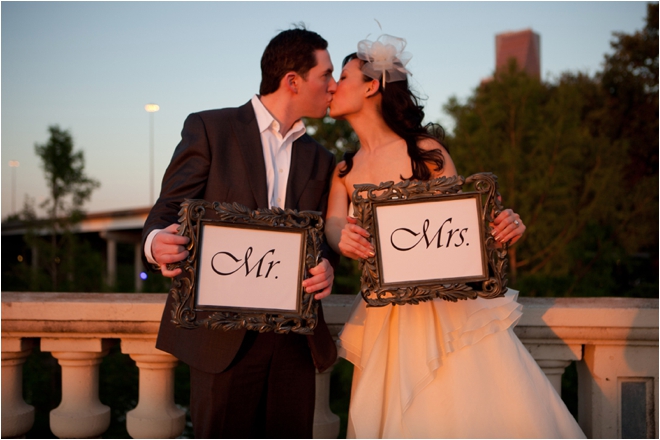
x=249 y=142
x=303 y=156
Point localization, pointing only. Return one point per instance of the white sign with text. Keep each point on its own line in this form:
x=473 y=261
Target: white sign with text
x=246 y=267
x=430 y=240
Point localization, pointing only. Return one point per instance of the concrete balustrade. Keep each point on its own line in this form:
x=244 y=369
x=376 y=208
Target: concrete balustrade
x=80 y=414
x=614 y=342
x=17 y=416
x=326 y=423
x=156 y=415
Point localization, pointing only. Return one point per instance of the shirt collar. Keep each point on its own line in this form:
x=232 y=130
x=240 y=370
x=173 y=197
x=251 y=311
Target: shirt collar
x=266 y=121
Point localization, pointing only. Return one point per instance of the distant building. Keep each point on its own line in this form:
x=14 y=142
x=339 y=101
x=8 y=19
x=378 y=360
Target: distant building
x=524 y=46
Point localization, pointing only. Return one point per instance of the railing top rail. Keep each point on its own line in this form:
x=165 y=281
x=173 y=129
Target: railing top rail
x=536 y=302
x=37 y=313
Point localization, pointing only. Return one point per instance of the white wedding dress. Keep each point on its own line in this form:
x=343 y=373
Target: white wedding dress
x=441 y=369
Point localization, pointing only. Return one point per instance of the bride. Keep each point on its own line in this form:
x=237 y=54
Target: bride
x=437 y=369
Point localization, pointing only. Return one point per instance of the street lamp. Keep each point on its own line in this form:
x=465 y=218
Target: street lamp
x=151 y=109
x=13 y=164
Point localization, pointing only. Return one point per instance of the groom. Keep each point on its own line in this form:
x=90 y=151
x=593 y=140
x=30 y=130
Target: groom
x=246 y=384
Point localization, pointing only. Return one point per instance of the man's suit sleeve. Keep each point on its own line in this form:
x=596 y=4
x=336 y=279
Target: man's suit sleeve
x=185 y=177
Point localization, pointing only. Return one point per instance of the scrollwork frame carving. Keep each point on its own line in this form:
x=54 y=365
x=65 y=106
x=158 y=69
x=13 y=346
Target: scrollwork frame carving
x=192 y=216
x=367 y=196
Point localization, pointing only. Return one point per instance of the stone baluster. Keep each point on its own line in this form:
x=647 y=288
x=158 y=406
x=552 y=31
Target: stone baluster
x=17 y=416
x=554 y=358
x=326 y=423
x=80 y=414
x=554 y=370
x=156 y=415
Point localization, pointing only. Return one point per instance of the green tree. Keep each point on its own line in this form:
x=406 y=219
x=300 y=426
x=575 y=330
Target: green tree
x=551 y=169
x=630 y=119
x=577 y=158
x=335 y=135
x=630 y=81
x=69 y=188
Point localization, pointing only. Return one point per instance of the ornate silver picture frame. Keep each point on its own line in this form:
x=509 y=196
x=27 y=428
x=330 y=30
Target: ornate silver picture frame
x=245 y=268
x=432 y=239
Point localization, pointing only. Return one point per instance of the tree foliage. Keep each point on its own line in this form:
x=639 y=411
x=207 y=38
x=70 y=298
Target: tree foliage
x=335 y=135
x=630 y=82
x=69 y=263
x=64 y=169
x=577 y=158
x=630 y=119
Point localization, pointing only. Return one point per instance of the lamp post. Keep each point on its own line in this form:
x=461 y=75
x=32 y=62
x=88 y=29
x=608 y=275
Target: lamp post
x=151 y=109
x=13 y=164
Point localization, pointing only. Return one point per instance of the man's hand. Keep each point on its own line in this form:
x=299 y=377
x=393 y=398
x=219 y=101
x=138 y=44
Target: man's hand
x=322 y=276
x=167 y=247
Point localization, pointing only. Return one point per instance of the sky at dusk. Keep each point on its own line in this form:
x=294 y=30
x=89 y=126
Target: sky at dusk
x=91 y=67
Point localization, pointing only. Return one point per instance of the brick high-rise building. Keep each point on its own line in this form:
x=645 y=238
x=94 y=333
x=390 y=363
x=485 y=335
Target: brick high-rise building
x=524 y=46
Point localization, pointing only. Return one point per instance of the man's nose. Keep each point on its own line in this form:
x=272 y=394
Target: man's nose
x=332 y=87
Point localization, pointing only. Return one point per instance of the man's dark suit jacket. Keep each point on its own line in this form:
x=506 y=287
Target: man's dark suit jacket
x=220 y=158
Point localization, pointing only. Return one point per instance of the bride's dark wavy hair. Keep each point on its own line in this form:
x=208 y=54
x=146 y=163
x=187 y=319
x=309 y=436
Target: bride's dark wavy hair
x=403 y=114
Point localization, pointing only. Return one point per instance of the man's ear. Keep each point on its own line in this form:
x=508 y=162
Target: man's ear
x=372 y=88
x=291 y=81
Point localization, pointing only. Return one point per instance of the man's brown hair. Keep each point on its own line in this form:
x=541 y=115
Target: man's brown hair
x=292 y=50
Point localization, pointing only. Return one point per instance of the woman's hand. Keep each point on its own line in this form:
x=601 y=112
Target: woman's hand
x=353 y=242
x=508 y=227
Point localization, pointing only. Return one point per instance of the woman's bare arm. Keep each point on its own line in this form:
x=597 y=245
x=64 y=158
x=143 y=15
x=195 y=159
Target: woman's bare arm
x=335 y=218
x=343 y=235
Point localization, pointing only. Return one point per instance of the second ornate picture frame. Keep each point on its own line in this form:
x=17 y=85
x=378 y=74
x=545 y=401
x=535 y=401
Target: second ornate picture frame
x=432 y=240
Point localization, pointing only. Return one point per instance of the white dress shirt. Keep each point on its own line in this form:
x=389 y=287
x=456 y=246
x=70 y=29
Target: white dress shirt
x=277 y=151
x=277 y=158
